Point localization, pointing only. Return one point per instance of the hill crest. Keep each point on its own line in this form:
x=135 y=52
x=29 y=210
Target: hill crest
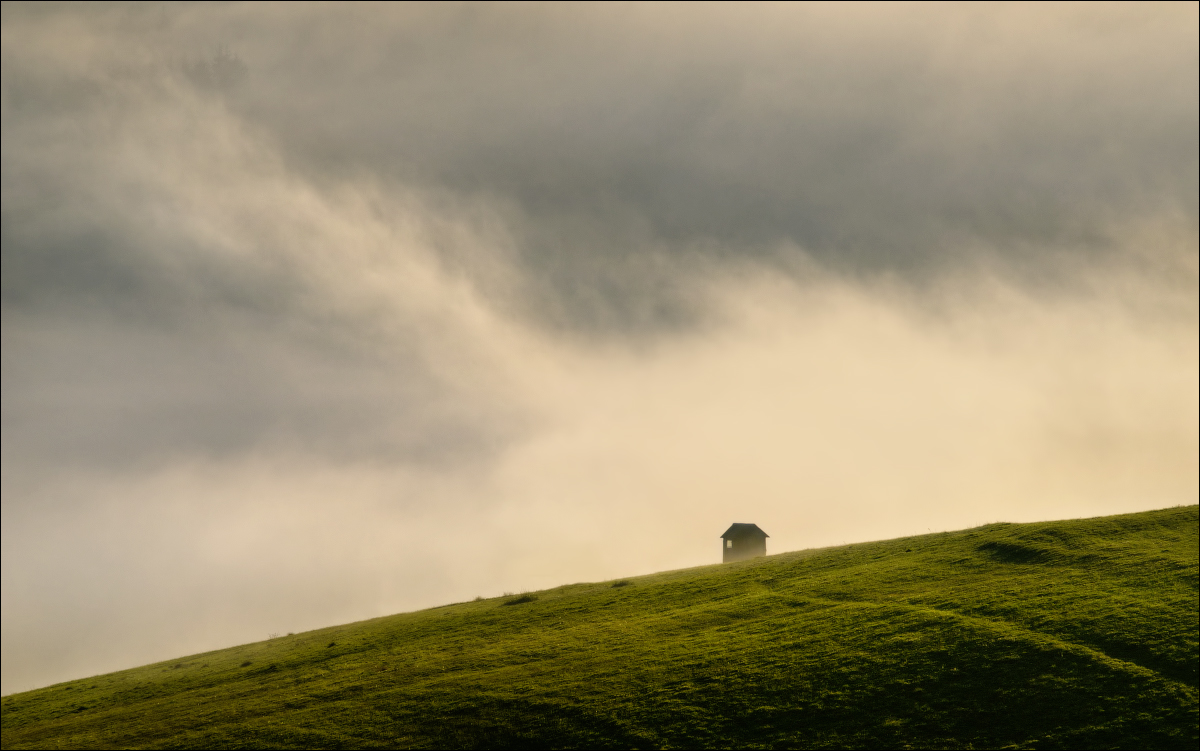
x=1075 y=633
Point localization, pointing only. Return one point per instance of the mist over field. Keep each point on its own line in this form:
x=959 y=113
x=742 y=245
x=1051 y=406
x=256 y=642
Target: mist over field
x=314 y=313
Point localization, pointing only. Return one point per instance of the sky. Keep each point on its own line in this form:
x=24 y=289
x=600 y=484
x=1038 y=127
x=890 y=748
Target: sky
x=319 y=312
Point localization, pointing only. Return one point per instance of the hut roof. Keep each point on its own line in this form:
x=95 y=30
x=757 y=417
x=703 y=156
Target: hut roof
x=738 y=529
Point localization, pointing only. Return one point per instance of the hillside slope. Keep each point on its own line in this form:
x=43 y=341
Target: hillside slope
x=1061 y=634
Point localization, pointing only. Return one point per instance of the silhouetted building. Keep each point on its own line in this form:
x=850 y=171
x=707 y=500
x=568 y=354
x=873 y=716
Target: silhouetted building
x=742 y=541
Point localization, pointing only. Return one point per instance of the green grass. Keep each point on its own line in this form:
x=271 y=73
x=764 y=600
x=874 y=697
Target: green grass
x=1073 y=634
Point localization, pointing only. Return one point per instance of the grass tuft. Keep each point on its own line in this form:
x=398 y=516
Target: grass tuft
x=521 y=600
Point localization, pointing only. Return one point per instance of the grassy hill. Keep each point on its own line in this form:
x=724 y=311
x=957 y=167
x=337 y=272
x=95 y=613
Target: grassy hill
x=1079 y=634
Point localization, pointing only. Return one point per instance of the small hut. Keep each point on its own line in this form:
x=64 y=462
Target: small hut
x=742 y=541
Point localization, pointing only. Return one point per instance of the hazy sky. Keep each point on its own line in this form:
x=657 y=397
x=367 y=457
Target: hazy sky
x=314 y=313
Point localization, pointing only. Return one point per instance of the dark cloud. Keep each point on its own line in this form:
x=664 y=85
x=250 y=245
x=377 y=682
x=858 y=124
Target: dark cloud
x=620 y=146
x=103 y=396
x=899 y=144
x=158 y=304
